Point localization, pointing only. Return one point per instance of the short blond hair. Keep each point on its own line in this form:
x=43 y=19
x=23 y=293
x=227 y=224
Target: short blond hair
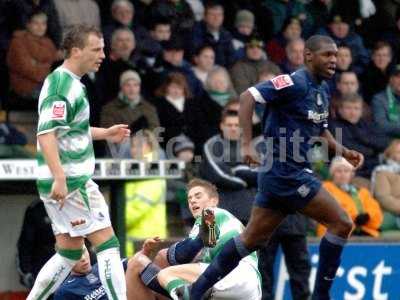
x=208 y=186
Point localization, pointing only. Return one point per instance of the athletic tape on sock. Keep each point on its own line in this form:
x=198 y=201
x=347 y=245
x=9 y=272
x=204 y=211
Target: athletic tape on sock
x=149 y=273
x=241 y=248
x=334 y=239
x=171 y=255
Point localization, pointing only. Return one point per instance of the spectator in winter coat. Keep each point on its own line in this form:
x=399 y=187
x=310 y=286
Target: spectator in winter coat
x=244 y=72
x=204 y=63
x=358 y=202
x=179 y=112
x=22 y=11
x=210 y=32
x=122 y=14
x=243 y=31
x=339 y=29
x=30 y=57
x=357 y=133
x=346 y=84
x=376 y=76
x=294 y=56
x=343 y=64
x=291 y=30
x=129 y=108
x=172 y=60
x=123 y=56
x=386 y=106
x=160 y=31
x=385 y=183
x=222 y=165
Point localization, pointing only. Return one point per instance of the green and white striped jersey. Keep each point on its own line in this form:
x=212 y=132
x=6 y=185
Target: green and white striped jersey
x=64 y=108
x=227 y=227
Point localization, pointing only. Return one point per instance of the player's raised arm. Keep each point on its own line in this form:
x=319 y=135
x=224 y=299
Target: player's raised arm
x=354 y=157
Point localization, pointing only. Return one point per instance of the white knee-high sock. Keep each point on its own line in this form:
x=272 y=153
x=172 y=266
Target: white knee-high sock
x=51 y=276
x=112 y=273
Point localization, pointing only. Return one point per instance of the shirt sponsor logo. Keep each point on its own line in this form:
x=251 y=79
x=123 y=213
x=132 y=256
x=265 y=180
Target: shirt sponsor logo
x=282 y=81
x=96 y=294
x=58 y=110
x=316 y=117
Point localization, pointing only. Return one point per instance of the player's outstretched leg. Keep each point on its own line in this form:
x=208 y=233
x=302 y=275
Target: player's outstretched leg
x=263 y=222
x=54 y=272
x=326 y=210
x=330 y=251
x=111 y=271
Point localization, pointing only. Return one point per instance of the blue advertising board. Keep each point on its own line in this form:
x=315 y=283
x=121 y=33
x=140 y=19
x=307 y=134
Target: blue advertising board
x=369 y=271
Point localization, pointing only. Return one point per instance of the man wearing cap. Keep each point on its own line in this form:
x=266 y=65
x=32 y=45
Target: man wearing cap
x=386 y=106
x=244 y=72
x=243 y=31
x=129 y=107
x=339 y=29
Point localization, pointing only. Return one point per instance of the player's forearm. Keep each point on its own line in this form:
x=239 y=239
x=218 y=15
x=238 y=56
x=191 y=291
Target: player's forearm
x=49 y=148
x=99 y=133
x=333 y=145
x=245 y=116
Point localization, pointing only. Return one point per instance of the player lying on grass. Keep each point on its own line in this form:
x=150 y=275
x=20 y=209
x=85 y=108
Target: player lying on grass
x=172 y=268
x=84 y=282
x=212 y=228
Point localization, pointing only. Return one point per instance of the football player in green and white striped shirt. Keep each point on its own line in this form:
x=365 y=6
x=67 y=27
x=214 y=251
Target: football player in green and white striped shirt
x=65 y=166
x=244 y=282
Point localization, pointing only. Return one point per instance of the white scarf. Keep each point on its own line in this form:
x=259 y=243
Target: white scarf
x=391 y=166
x=178 y=103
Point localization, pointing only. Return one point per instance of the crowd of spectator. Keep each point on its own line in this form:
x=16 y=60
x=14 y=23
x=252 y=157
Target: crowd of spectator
x=178 y=64
x=173 y=72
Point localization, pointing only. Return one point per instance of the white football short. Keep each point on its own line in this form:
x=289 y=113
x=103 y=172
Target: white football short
x=85 y=211
x=242 y=283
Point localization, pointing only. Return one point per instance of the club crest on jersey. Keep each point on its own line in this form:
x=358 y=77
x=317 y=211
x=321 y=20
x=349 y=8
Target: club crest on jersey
x=58 y=111
x=282 y=81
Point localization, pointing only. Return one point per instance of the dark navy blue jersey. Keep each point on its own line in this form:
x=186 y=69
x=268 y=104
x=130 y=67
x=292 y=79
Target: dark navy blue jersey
x=85 y=287
x=295 y=115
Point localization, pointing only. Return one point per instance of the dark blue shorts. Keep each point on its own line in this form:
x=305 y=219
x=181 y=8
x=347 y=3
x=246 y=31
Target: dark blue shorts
x=286 y=192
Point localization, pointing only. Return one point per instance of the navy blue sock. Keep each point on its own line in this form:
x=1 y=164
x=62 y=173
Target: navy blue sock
x=330 y=251
x=184 y=251
x=229 y=257
x=149 y=278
